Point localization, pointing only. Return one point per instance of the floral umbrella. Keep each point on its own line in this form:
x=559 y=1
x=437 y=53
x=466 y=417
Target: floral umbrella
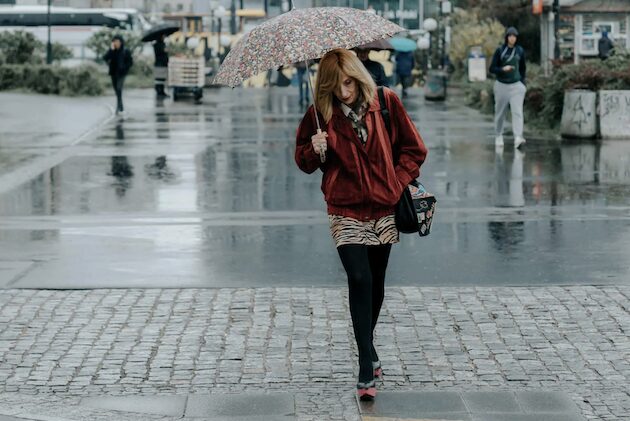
x=301 y=35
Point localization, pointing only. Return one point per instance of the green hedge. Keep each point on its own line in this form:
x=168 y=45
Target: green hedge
x=52 y=79
x=20 y=47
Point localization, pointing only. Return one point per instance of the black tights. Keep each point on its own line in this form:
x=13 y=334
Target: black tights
x=365 y=266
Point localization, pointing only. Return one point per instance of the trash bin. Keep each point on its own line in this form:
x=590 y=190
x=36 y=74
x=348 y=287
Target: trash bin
x=435 y=86
x=476 y=65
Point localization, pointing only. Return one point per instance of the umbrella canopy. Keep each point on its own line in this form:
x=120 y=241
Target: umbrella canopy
x=404 y=45
x=156 y=32
x=300 y=35
x=378 y=45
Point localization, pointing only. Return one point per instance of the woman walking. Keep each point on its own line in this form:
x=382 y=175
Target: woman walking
x=364 y=174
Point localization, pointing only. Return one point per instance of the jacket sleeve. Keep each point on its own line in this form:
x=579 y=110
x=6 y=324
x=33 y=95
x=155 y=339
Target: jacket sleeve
x=107 y=56
x=128 y=60
x=305 y=156
x=522 y=66
x=382 y=79
x=495 y=64
x=410 y=147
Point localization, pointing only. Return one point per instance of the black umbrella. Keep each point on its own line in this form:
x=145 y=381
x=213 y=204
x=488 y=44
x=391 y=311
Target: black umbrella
x=378 y=45
x=157 y=31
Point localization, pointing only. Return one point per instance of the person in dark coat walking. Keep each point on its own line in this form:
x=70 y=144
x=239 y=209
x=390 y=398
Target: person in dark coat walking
x=374 y=67
x=120 y=61
x=404 y=65
x=364 y=175
x=604 y=46
x=508 y=64
x=161 y=66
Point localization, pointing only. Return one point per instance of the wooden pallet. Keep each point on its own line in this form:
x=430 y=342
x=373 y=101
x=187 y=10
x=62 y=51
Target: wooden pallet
x=186 y=72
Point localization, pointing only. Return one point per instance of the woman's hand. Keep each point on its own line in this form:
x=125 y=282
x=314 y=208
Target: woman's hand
x=507 y=68
x=319 y=142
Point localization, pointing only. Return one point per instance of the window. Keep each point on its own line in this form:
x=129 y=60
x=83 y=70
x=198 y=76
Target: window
x=605 y=27
x=8 y=20
x=588 y=46
x=31 y=19
x=587 y=25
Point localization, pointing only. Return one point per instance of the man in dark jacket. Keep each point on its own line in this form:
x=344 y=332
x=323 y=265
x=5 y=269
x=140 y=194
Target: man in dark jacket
x=404 y=66
x=161 y=66
x=120 y=61
x=604 y=46
x=374 y=67
x=508 y=64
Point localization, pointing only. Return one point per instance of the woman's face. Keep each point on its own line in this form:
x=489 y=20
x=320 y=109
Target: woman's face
x=348 y=91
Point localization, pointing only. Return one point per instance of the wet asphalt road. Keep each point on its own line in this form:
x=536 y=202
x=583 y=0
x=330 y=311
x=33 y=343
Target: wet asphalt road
x=185 y=195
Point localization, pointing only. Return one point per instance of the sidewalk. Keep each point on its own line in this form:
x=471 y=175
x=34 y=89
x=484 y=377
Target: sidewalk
x=36 y=129
x=60 y=346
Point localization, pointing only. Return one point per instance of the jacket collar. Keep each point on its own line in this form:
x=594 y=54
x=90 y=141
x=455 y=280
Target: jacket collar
x=374 y=107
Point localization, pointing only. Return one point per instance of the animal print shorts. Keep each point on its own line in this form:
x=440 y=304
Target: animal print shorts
x=375 y=232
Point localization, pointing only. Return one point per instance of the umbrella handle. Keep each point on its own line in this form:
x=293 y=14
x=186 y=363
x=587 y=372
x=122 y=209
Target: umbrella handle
x=322 y=155
x=310 y=87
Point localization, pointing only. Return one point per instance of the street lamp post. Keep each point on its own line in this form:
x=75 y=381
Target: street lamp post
x=48 y=44
x=233 y=17
x=435 y=84
x=429 y=25
x=556 y=25
x=220 y=14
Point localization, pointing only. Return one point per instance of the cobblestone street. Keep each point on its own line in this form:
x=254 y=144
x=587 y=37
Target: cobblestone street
x=188 y=341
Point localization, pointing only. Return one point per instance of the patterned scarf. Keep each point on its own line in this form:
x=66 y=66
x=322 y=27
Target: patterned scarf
x=356 y=115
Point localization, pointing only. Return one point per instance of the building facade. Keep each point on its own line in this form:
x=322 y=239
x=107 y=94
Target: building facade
x=581 y=25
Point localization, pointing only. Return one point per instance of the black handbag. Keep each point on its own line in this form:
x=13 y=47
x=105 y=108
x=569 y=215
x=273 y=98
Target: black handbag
x=416 y=207
x=415 y=210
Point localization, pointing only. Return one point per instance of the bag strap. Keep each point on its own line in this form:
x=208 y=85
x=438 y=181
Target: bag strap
x=384 y=111
x=388 y=122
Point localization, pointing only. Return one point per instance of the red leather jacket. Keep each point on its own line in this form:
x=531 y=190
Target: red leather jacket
x=363 y=182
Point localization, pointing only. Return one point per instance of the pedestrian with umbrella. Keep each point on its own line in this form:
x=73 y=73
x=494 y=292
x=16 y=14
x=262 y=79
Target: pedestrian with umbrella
x=158 y=36
x=405 y=61
x=374 y=67
x=161 y=66
x=364 y=176
x=365 y=169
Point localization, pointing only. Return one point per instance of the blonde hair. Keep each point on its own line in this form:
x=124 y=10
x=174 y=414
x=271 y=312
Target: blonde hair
x=330 y=69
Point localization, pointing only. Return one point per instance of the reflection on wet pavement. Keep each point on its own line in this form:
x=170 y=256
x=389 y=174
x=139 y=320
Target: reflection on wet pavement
x=183 y=195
